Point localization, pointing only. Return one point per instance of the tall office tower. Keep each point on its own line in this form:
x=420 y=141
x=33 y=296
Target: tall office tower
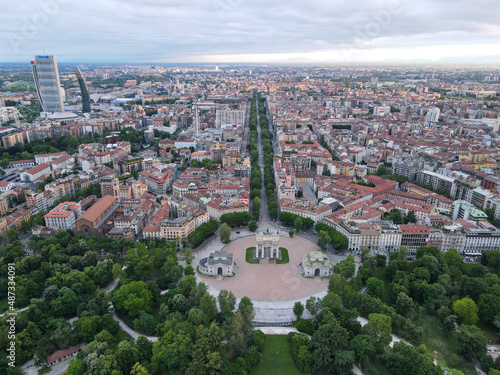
x=433 y=115
x=48 y=86
x=84 y=90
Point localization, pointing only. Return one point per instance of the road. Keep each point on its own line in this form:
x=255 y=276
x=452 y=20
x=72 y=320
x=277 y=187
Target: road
x=264 y=212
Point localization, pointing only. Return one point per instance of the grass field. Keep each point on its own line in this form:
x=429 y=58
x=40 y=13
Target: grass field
x=284 y=256
x=20 y=86
x=379 y=273
x=440 y=344
x=276 y=358
x=490 y=331
x=372 y=368
x=249 y=256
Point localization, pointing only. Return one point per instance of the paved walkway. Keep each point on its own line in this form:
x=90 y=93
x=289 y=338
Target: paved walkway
x=364 y=321
x=12 y=312
x=130 y=331
x=276 y=330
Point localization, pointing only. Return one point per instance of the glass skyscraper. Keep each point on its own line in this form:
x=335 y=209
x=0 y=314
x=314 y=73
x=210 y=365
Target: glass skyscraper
x=84 y=90
x=48 y=86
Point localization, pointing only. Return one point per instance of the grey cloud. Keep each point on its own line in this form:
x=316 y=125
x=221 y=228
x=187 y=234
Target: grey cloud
x=151 y=30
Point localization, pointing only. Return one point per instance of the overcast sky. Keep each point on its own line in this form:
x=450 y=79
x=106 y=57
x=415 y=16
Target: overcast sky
x=249 y=30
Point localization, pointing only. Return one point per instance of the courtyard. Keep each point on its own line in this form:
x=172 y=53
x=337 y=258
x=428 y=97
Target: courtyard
x=270 y=282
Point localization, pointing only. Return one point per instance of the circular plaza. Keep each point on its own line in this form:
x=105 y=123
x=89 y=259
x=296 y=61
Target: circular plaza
x=269 y=282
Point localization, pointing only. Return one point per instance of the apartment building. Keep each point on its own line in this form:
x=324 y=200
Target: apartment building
x=63 y=216
x=413 y=236
x=216 y=208
x=159 y=180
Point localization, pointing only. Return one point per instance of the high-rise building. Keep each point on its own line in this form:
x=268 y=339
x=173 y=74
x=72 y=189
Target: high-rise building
x=48 y=86
x=228 y=116
x=84 y=90
x=433 y=115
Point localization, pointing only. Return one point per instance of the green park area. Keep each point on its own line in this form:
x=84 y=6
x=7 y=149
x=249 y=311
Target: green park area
x=276 y=358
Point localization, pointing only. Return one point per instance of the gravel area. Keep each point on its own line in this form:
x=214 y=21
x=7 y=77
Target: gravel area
x=267 y=283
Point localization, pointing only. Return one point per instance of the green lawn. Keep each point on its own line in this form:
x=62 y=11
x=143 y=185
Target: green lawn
x=440 y=344
x=372 y=368
x=284 y=256
x=379 y=273
x=490 y=331
x=276 y=358
x=249 y=256
x=122 y=335
x=20 y=86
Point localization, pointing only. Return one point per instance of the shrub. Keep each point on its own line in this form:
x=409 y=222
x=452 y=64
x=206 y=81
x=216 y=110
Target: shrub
x=259 y=340
x=305 y=326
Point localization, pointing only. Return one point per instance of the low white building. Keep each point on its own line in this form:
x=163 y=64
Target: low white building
x=316 y=264
x=6 y=185
x=36 y=172
x=218 y=263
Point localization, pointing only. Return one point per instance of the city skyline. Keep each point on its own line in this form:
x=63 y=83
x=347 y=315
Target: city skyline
x=230 y=31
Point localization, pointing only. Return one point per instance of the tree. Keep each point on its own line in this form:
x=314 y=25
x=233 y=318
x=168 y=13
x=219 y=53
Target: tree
x=376 y=287
x=133 y=297
x=172 y=352
x=187 y=255
x=245 y=307
x=298 y=309
x=472 y=342
x=410 y=360
x=381 y=171
x=411 y=217
x=297 y=224
x=179 y=303
x=466 y=311
x=449 y=323
x=252 y=226
x=403 y=252
x=474 y=287
x=13 y=235
x=323 y=239
x=379 y=327
x=396 y=216
x=227 y=302
x=187 y=284
x=489 y=307
x=225 y=233
x=76 y=367
x=291 y=233
x=363 y=347
x=208 y=352
x=138 y=369
x=256 y=208
x=272 y=207
x=255 y=193
x=330 y=344
x=126 y=355
x=313 y=305
x=208 y=305
x=404 y=304
x=346 y=267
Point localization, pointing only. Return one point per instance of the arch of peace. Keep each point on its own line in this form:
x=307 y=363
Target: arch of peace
x=273 y=288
